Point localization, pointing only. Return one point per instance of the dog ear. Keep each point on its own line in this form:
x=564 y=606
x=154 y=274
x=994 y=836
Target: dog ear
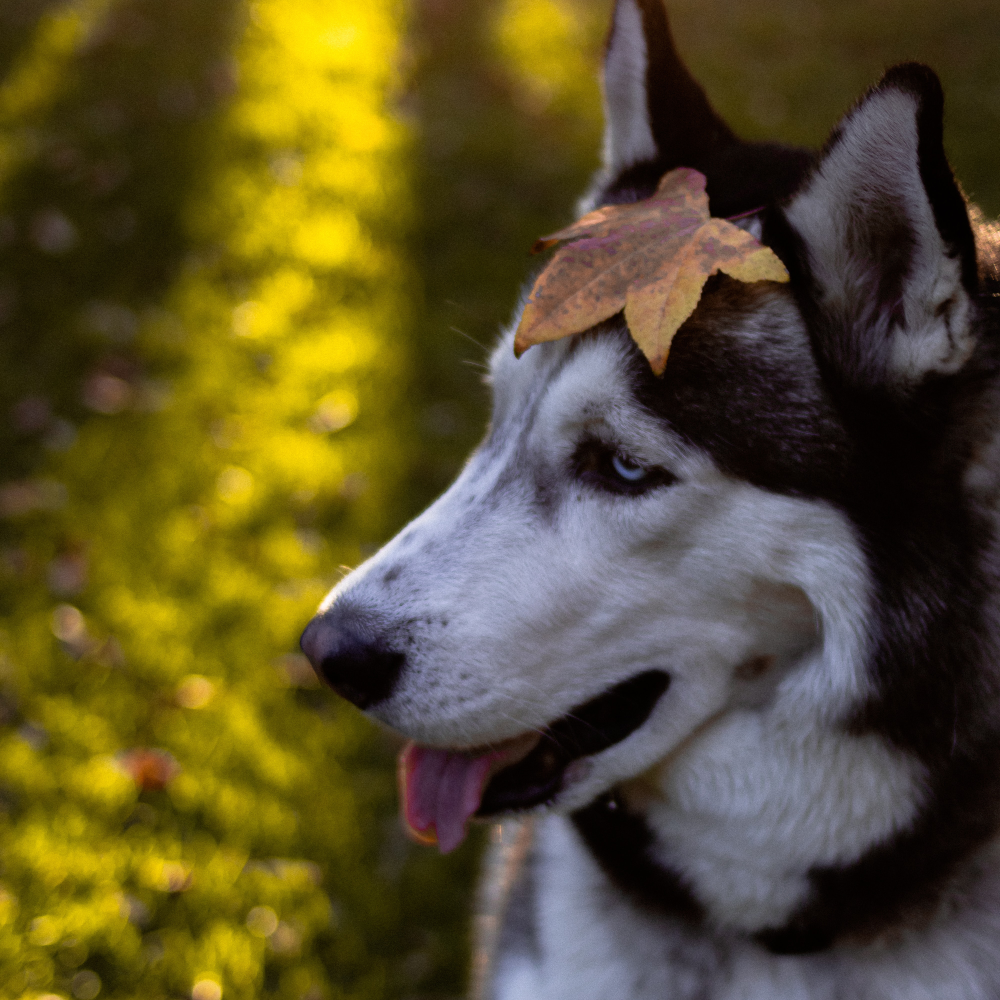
x=658 y=118
x=884 y=248
x=654 y=110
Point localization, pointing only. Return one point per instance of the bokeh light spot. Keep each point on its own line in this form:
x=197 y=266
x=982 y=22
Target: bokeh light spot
x=262 y=921
x=206 y=989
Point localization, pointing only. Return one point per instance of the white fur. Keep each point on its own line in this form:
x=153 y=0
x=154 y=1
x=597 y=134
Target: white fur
x=519 y=978
x=762 y=797
x=592 y=945
x=628 y=138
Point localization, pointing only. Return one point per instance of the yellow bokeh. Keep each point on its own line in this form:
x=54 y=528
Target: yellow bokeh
x=546 y=44
x=166 y=763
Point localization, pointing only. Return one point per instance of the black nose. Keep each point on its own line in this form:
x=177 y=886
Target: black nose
x=347 y=652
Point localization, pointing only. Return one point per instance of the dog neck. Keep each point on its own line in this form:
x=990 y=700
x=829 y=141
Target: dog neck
x=797 y=835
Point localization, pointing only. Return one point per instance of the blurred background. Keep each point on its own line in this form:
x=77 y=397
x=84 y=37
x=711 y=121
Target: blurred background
x=251 y=258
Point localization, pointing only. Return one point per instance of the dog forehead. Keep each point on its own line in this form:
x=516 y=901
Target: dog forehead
x=758 y=322
x=521 y=384
x=742 y=386
x=584 y=384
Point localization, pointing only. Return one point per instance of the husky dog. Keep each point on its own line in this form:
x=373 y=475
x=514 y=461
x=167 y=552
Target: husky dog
x=731 y=636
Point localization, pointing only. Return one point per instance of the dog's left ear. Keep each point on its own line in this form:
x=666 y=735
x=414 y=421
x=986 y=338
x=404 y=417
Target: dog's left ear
x=655 y=112
x=882 y=241
x=657 y=118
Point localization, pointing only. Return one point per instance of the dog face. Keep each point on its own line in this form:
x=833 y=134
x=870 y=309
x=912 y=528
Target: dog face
x=588 y=542
x=762 y=571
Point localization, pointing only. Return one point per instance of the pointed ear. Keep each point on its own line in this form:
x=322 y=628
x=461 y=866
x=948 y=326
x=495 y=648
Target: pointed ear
x=654 y=110
x=885 y=249
x=658 y=118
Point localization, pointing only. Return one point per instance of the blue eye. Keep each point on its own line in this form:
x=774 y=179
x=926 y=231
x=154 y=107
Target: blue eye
x=602 y=466
x=628 y=470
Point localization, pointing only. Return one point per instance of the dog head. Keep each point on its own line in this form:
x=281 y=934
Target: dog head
x=629 y=562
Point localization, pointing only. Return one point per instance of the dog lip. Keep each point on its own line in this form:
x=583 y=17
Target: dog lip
x=507 y=753
x=538 y=775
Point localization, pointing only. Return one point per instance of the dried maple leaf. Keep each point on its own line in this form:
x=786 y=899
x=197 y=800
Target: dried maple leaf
x=651 y=258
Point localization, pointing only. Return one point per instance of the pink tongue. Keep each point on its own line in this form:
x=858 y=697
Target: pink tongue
x=441 y=790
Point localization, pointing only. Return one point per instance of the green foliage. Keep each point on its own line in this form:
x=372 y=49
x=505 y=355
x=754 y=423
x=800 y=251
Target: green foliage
x=789 y=69
x=202 y=282
x=507 y=99
x=239 y=246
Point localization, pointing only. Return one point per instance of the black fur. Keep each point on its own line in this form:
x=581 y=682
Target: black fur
x=621 y=842
x=762 y=418
x=950 y=212
x=935 y=693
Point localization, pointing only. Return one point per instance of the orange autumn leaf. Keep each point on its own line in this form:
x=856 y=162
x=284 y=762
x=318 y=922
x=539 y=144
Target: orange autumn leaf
x=151 y=770
x=651 y=258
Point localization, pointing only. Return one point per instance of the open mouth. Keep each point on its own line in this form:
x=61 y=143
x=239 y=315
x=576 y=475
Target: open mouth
x=441 y=790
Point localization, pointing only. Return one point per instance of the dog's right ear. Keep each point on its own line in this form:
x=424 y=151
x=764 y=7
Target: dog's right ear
x=658 y=118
